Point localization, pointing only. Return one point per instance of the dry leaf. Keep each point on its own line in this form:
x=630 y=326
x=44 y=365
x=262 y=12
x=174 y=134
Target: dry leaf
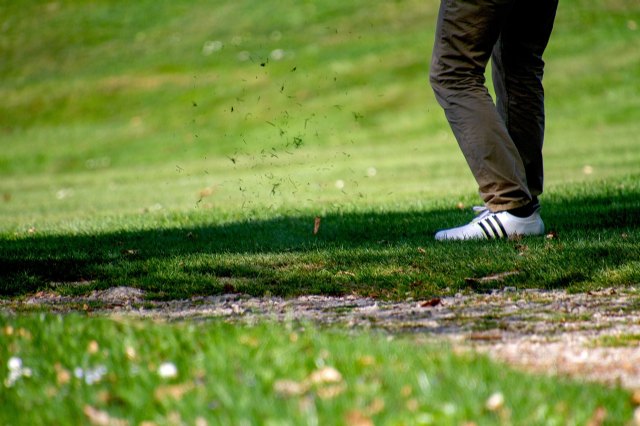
x=174 y=391
x=102 y=418
x=250 y=341
x=406 y=391
x=205 y=192
x=376 y=406
x=330 y=392
x=366 y=360
x=356 y=418
x=431 y=303
x=201 y=421
x=316 y=225
x=325 y=375
x=412 y=405
x=598 y=417
x=130 y=352
x=289 y=388
x=93 y=347
x=62 y=376
x=495 y=402
x=489 y=336
x=492 y=278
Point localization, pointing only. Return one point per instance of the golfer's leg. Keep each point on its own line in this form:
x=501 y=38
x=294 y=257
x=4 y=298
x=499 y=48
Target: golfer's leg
x=517 y=76
x=465 y=35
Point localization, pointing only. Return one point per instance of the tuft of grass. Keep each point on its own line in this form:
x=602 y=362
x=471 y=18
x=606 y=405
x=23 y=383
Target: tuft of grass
x=269 y=374
x=619 y=340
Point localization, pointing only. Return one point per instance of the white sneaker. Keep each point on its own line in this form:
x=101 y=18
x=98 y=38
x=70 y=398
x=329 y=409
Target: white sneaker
x=489 y=226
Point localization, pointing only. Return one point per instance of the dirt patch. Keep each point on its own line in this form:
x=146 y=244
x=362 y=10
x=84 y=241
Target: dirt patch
x=594 y=336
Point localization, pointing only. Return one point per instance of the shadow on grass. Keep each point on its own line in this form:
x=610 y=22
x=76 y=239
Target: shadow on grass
x=376 y=254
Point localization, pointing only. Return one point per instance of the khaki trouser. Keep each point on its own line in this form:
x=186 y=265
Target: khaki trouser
x=501 y=142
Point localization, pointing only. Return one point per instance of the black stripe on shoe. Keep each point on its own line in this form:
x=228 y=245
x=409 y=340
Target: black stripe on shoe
x=493 y=228
x=485 y=230
x=499 y=222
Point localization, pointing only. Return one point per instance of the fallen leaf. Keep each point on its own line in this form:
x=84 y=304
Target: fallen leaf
x=376 y=406
x=93 y=347
x=330 y=392
x=102 y=418
x=412 y=405
x=486 y=336
x=356 y=418
x=325 y=375
x=130 y=352
x=205 y=192
x=366 y=361
x=431 y=303
x=174 y=391
x=250 y=341
x=406 y=391
x=63 y=376
x=491 y=278
x=289 y=388
x=598 y=417
x=495 y=402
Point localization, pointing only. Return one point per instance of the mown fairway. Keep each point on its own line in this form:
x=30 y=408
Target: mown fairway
x=188 y=148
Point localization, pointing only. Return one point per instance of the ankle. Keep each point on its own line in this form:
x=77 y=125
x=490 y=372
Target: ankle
x=526 y=210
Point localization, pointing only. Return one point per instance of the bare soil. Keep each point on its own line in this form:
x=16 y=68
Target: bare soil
x=593 y=336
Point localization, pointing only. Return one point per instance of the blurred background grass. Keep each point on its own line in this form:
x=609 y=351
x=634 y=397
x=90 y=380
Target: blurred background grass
x=113 y=108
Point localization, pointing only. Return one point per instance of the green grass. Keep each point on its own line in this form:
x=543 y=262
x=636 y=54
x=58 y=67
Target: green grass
x=617 y=341
x=377 y=252
x=187 y=148
x=268 y=375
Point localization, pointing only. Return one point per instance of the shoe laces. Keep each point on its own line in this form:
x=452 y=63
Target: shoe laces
x=481 y=212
